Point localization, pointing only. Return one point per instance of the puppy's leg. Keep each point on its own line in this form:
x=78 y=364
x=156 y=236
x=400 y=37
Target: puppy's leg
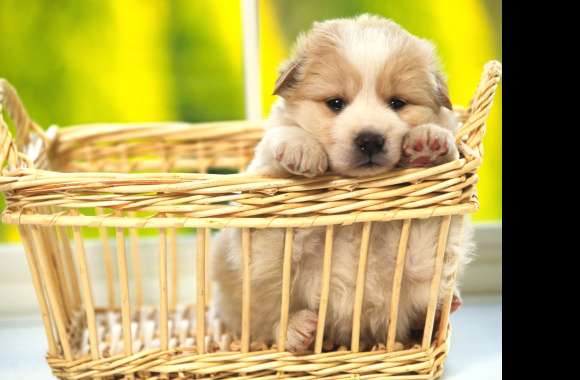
x=285 y=150
x=428 y=144
x=419 y=269
x=417 y=328
x=456 y=302
x=301 y=330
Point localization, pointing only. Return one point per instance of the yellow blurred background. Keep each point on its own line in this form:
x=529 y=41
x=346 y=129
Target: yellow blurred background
x=149 y=60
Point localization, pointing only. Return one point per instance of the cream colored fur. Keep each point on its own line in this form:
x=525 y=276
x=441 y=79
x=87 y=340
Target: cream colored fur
x=366 y=61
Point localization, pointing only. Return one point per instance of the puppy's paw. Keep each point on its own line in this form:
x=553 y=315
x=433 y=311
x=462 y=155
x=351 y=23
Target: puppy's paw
x=304 y=157
x=427 y=145
x=301 y=331
x=456 y=302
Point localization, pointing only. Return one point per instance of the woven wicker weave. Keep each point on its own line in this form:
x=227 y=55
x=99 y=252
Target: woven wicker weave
x=129 y=178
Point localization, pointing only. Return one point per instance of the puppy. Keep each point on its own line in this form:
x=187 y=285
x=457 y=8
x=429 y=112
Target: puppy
x=358 y=98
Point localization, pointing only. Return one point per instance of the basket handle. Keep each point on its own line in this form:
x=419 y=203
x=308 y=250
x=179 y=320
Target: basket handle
x=12 y=150
x=470 y=135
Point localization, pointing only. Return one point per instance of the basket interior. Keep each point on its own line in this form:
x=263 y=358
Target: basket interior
x=156 y=147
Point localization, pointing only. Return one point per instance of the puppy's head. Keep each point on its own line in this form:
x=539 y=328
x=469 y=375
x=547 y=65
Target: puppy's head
x=358 y=85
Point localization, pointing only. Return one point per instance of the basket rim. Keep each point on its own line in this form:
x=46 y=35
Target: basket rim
x=193 y=200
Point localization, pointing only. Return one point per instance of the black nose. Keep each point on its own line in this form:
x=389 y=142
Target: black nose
x=370 y=143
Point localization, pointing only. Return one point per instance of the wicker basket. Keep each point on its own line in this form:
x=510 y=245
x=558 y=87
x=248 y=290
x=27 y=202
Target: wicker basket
x=135 y=180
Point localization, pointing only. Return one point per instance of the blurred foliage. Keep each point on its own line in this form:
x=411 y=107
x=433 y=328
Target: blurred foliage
x=149 y=60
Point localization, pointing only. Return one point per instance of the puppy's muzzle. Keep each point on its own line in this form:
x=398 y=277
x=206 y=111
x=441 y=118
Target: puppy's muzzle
x=369 y=143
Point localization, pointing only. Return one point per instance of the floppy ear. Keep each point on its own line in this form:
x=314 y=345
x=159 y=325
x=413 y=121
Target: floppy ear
x=442 y=92
x=287 y=77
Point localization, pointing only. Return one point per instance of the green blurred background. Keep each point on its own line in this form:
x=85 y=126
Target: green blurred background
x=149 y=60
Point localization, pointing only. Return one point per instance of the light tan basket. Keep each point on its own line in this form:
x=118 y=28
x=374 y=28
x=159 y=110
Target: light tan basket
x=133 y=178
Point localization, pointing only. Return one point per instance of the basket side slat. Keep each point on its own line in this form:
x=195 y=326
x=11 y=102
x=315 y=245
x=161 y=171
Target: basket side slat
x=285 y=302
x=38 y=288
x=55 y=270
x=396 y=286
x=69 y=263
x=360 y=285
x=172 y=240
x=246 y=289
x=325 y=288
x=208 y=287
x=52 y=292
x=200 y=278
x=163 y=298
x=136 y=263
x=87 y=293
x=436 y=281
x=108 y=261
x=446 y=307
x=125 y=296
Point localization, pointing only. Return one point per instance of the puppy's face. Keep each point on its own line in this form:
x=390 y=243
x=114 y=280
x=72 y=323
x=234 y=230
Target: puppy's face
x=358 y=85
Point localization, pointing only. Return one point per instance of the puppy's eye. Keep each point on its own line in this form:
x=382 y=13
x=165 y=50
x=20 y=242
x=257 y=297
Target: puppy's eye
x=336 y=104
x=396 y=103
